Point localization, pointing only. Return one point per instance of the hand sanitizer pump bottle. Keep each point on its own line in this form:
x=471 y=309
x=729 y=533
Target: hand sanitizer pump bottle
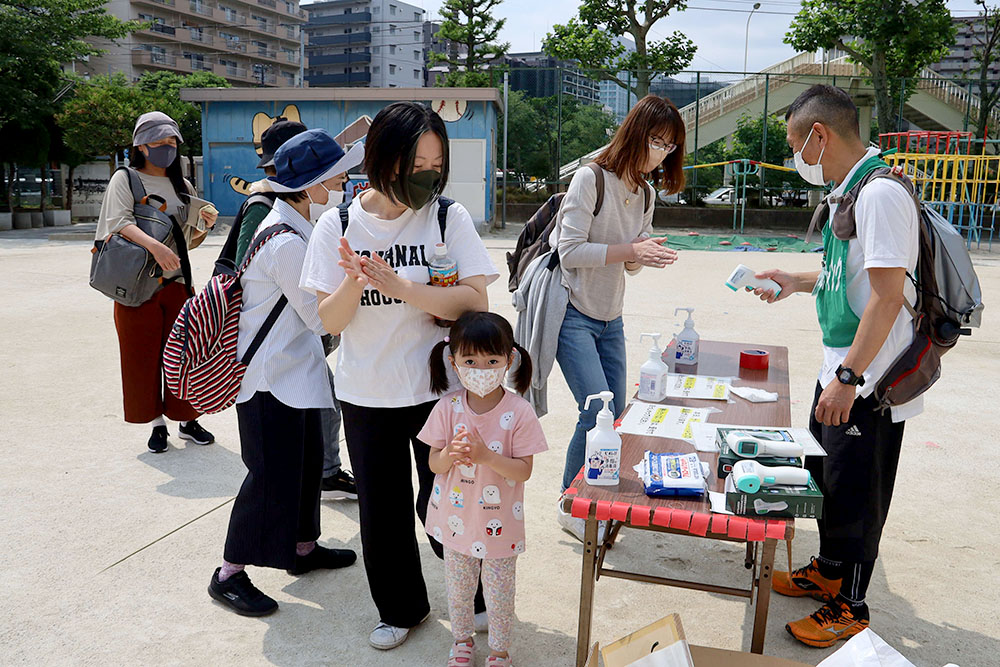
x=686 y=350
x=653 y=373
x=604 y=445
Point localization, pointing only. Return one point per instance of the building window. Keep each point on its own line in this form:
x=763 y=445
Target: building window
x=230 y=13
x=392 y=29
x=348 y=10
x=376 y=49
x=392 y=10
x=376 y=69
x=376 y=9
x=290 y=7
x=417 y=16
x=416 y=74
x=416 y=55
x=197 y=35
x=392 y=69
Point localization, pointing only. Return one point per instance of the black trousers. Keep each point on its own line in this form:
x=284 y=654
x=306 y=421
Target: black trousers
x=856 y=477
x=278 y=504
x=379 y=441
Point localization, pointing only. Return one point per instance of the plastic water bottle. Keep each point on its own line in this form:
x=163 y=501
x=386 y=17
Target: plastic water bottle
x=443 y=269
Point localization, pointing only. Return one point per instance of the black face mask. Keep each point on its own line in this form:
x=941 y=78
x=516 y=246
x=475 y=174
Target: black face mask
x=161 y=156
x=421 y=187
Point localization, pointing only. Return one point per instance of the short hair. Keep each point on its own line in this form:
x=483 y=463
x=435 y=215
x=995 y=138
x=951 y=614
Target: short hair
x=824 y=104
x=391 y=144
x=298 y=196
x=626 y=155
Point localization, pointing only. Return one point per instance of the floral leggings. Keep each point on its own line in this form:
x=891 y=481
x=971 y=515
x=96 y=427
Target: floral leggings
x=462 y=576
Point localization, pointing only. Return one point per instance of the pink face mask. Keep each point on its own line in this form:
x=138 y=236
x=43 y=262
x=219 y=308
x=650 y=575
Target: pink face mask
x=480 y=381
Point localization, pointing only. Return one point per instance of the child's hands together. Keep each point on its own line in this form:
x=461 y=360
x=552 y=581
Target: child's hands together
x=467 y=447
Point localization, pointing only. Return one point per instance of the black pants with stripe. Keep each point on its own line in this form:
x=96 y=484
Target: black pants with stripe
x=856 y=477
x=278 y=504
x=379 y=441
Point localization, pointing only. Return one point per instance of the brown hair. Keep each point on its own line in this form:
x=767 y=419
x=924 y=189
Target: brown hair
x=626 y=155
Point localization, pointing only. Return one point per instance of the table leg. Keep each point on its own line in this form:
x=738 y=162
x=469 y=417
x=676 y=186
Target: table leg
x=587 y=591
x=763 y=596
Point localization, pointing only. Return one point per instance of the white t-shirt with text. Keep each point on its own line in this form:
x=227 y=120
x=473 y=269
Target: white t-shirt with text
x=384 y=351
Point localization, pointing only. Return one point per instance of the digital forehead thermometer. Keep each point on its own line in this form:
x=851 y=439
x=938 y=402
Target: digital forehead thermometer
x=749 y=476
x=751 y=446
x=743 y=276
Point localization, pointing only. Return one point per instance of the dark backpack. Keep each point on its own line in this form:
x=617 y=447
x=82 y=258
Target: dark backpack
x=227 y=257
x=949 y=299
x=443 y=205
x=534 y=238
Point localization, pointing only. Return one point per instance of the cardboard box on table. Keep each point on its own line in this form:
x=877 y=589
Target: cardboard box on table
x=663 y=644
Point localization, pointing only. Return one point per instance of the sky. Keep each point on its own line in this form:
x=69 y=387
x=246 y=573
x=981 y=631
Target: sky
x=717 y=27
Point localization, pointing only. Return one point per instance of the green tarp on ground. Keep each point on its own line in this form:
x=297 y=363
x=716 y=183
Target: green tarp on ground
x=738 y=243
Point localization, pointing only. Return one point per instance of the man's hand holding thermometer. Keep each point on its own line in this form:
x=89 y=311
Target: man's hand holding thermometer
x=771 y=285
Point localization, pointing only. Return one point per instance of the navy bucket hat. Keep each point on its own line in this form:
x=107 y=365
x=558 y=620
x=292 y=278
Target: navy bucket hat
x=309 y=158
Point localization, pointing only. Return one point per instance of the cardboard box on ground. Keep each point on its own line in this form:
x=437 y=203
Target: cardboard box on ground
x=663 y=644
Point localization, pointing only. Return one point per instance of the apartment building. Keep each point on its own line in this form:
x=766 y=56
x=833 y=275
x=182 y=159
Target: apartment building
x=370 y=43
x=959 y=63
x=540 y=75
x=249 y=42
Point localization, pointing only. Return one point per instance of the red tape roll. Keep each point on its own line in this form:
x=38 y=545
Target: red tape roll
x=754 y=360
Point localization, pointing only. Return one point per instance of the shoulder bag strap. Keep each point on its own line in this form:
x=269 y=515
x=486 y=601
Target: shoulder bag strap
x=279 y=306
x=345 y=217
x=443 y=205
x=599 y=176
x=135 y=184
x=645 y=197
x=182 y=253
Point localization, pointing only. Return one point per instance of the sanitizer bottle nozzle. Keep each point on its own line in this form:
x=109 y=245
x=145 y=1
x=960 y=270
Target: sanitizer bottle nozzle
x=656 y=343
x=605 y=418
x=689 y=322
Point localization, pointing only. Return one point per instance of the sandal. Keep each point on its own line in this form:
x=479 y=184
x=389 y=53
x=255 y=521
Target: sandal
x=497 y=661
x=462 y=655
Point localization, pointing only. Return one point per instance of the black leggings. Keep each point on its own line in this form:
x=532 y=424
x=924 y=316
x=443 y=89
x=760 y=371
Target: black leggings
x=379 y=441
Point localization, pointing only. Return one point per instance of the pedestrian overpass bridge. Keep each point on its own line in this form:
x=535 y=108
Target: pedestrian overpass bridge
x=937 y=103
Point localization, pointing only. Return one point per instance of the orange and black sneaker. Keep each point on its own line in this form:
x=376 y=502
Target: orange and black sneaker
x=834 y=621
x=806 y=581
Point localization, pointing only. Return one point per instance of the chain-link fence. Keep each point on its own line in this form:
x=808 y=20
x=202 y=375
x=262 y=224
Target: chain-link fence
x=736 y=154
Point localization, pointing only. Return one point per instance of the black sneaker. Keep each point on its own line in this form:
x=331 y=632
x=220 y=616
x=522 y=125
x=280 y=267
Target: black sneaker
x=321 y=558
x=239 y=594
x=158 y=440
x=193 y=431
x=340 y=485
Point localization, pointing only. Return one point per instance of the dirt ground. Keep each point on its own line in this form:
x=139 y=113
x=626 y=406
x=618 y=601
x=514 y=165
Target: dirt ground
x=108 y=549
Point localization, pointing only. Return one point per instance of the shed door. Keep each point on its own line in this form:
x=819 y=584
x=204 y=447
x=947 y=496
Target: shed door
x=467 y=180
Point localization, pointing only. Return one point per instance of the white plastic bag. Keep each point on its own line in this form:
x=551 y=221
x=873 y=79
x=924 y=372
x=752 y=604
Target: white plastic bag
x=867 y=649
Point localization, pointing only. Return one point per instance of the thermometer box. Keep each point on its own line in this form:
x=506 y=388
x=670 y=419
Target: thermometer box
x=804 y=502
x=727 y=458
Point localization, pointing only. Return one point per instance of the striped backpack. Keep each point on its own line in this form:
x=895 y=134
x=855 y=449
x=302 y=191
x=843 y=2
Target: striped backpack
x=199 y=360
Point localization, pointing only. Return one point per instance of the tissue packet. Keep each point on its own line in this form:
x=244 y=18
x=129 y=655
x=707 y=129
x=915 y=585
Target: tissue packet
x=672 y=474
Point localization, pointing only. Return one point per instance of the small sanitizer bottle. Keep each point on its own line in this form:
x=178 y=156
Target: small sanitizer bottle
x=686 y=350
x=653 y=374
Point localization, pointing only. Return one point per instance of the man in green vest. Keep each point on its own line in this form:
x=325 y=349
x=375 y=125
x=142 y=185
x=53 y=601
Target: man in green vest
x=860 y=294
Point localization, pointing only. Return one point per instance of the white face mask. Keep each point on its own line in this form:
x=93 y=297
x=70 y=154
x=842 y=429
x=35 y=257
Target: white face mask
x=333 y=199
x=480 y=381
x=810 y=173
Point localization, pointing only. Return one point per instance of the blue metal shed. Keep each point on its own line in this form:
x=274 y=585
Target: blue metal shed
x=234 y=118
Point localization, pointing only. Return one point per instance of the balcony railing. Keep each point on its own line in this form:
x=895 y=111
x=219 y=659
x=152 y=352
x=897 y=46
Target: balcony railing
x=202 y=8
x=340 y=19
x=163 y=28
x=341 y=59
x=341 y=40
x=268 y=3
x=354 y=78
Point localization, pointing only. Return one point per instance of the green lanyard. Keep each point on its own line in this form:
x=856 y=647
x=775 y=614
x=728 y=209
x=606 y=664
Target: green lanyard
x=838 y=322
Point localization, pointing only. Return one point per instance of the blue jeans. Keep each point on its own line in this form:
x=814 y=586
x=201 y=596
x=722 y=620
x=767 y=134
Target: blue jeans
x=591 y=355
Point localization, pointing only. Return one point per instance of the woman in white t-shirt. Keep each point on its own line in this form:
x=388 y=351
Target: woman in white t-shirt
x=372 y=288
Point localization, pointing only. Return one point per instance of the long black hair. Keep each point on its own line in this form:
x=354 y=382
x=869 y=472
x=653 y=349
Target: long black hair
x=476 y=332
x=137 y=160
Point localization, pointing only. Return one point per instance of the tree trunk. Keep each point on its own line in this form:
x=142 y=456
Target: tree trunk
x=883 y=98
x=44 y=189
x=11 y=179
x=984 y=107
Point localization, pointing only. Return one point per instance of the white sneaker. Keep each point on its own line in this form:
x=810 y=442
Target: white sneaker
x=576 y=527
x=385 y=636
x=482 y=623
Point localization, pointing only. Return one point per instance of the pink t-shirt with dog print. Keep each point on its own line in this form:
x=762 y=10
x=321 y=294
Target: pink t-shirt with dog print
x=473 y=509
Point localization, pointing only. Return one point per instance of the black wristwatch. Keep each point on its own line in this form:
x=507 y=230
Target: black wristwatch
x=847 y=376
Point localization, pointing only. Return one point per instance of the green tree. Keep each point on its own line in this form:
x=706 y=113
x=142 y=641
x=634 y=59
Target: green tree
x=36 y=39
x=471 y=28
x=585 y=128
x=525 y=154
x=893 y=39
x=703 y=180
x=165 y=88
x=986 y=53
x=99 y=119
x=748 y=141
x=589 y=39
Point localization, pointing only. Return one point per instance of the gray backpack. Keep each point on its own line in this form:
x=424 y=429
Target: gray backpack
x=125 y=271
x=949 y=299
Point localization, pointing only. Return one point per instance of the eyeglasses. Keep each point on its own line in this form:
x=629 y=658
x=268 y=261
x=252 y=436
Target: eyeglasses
x=659 y=145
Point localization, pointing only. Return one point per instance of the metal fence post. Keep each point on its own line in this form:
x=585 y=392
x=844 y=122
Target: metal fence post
x=902 y=98
x=697 y=109
x=763 y=141
x=968 y=106
x=506 y=108
x=559 y=96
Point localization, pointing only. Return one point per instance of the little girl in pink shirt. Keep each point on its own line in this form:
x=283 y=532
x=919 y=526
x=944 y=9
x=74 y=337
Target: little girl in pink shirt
x=482 y=440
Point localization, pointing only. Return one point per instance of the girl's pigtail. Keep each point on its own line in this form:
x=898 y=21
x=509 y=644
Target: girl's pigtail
x=522 y=374
x=439 y=372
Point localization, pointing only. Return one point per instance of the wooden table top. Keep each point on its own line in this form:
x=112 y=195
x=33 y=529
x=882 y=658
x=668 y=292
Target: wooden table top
x=628 y=501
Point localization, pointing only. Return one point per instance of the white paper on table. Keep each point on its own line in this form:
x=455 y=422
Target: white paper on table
x=674 y=655
x=718 y=501
x=866 y=649
x=662 y=421
x=698 y=386
x=703 y=437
